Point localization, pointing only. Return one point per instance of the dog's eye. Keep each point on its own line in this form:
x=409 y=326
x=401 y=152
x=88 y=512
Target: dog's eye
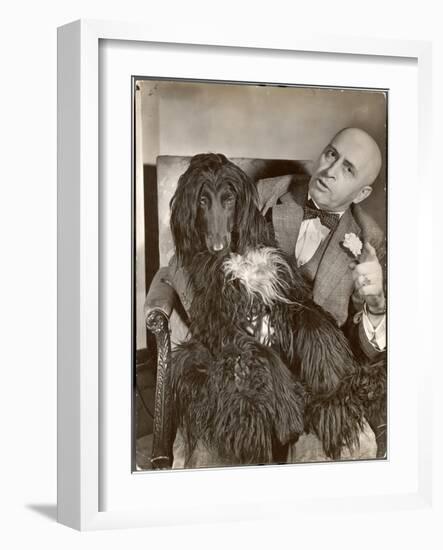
x=229 y=198
x=203 y=201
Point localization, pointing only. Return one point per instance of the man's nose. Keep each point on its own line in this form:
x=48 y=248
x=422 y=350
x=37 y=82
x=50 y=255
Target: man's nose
x=331 y=170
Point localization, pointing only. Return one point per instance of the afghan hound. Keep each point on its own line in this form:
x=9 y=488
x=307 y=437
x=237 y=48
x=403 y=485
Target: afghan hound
x=264 y=363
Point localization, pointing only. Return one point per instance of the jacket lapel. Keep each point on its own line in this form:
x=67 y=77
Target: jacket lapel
x=333 y=268
x=334 y=265
x=287 y=218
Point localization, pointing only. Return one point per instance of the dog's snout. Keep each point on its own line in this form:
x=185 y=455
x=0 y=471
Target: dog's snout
x=217 y=243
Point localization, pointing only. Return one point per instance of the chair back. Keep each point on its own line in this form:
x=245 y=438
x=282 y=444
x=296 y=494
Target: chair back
x=170 y=168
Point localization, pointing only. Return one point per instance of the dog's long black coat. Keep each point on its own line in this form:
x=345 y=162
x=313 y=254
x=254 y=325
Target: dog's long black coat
x=231 y=392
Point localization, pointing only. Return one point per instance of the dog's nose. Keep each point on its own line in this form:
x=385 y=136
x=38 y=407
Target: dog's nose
x=217 y=244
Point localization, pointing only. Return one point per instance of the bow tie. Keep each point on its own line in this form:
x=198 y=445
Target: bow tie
x=328 y=219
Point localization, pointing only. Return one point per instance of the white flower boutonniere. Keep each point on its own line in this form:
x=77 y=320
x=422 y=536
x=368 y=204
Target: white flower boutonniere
x=353 y=244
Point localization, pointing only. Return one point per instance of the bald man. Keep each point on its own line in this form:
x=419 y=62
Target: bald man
x=315 y=221
x=311 y=221
x=343 y=176
x=345 y=171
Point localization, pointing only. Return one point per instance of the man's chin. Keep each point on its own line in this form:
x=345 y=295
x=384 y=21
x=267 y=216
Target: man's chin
x=319 y=196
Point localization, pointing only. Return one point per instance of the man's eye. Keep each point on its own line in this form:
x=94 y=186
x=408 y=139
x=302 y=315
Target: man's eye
x=349 y=170
x=330 y=153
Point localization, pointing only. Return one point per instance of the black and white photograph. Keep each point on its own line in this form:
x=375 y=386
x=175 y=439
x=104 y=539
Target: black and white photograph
x=222 y=256
x=259 y=274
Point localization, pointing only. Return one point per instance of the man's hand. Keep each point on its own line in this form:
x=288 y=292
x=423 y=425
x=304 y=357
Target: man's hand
x=368 y=280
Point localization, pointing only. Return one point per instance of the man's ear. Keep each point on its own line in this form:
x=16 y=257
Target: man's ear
x=363 y=194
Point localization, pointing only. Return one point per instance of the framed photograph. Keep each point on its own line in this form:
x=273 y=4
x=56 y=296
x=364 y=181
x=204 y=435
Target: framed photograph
x=282 y=140
x=232 y=234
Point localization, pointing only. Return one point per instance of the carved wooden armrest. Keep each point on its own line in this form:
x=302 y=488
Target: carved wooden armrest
x=158 y=308
x=158 y=322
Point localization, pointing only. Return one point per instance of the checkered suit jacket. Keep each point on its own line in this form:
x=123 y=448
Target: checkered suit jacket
x=333 y=285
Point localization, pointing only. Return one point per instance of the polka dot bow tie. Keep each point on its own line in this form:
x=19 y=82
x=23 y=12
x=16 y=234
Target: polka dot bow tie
x=328 y=219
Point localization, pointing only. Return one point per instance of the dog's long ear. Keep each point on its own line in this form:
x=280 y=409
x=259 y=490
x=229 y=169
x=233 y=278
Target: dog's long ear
x=184 y=205
x=251 y=228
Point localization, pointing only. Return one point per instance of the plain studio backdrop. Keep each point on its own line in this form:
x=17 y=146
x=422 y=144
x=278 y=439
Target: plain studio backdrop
x=28 y=274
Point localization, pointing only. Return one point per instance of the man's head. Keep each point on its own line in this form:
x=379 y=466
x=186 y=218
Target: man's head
x=345 y=171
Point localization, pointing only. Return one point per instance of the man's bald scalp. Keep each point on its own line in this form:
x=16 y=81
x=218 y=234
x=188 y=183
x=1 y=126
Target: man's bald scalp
x=365 y=140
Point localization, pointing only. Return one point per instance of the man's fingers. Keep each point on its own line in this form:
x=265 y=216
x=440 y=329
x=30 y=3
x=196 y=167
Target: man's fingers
x=368 y=253
x=369 y=290
x=367 y=268
x=363 y=280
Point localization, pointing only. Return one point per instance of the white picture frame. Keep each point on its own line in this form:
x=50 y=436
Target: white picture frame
x=80 y=412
